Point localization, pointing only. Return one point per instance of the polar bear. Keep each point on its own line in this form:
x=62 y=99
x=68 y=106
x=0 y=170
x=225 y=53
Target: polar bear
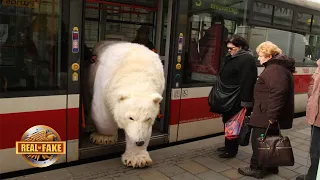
x=125 y=90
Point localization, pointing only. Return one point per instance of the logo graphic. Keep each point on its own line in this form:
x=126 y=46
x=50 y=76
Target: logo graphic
x=41 y=146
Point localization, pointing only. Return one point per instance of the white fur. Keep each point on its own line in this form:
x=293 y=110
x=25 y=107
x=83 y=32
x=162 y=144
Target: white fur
x=128 y=84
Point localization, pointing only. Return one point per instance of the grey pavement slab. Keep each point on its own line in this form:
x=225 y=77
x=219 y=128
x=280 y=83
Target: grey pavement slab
x=185 y=176
x=191 y=161
x=212 y=164
x=208 y=175
x=153 y=175
x=193 y=167
x=171 y=170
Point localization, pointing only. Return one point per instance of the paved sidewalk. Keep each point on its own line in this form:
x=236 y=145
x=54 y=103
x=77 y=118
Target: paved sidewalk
x=192 y=161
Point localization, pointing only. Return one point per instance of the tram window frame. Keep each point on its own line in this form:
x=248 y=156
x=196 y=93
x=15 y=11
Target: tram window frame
x=57 y=37
x=315 y=20
x=164 y=26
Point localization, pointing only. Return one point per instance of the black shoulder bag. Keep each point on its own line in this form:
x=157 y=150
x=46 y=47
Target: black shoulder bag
x=222 y=97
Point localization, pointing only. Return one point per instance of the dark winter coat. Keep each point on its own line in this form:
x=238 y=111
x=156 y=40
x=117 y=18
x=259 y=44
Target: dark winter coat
x=239 y=69
x=274 y=93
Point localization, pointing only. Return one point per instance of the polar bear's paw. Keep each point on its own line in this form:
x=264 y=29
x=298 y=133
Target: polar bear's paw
x=137 y=160
x=101 y=139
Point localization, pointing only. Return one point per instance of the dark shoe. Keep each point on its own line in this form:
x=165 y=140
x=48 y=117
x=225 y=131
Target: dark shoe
x=221 y=149
x=226 y=155
x=273 y=170
x=247 y=171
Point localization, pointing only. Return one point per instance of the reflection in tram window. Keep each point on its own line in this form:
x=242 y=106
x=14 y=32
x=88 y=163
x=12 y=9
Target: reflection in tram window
x=143 y=37
x=303 y=21
x=274 y=23
x=29 y=53
x=208 y=30
x=302 y=45
x=108 y=21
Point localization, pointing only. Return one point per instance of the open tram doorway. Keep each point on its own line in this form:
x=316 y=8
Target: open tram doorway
x=125 y=20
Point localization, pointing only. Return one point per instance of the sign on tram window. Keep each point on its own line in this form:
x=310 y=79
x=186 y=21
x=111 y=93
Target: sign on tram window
x=21 y=3
x=223 y=6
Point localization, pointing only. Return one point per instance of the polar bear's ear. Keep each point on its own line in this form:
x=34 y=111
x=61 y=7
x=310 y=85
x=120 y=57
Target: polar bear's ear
x=122 y=96
x=156 y=98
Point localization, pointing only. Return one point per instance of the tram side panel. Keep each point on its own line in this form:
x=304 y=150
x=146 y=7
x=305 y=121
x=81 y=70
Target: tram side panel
x=17 y=115
x=191 y=117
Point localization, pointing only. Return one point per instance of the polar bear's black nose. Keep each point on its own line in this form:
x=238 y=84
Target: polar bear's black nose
x=140 y=143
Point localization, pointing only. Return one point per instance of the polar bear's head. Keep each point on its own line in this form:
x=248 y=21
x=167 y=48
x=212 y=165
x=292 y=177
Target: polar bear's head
x=136 y=115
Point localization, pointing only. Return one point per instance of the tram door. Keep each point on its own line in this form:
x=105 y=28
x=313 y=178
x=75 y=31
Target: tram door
x=123 y=20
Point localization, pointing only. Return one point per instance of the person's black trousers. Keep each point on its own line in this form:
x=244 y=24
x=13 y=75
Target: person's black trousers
x=231 y=146
x=314 y=153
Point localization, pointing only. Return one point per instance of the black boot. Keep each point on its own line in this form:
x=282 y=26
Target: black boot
x=248 y=171
x=221 y=149
x=273 y=170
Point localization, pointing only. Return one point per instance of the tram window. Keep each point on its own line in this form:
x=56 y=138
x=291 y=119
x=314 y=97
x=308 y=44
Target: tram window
x=92 y=10
x=303 y=21
x=316 y=24
x=303 y=48
x=262 y=12
x=120 y=23
x=206 y=38
x=282 y=16
x=30 y=48
x=91 y=29
x=211 y=22
x=231 y=26
x=312 y=47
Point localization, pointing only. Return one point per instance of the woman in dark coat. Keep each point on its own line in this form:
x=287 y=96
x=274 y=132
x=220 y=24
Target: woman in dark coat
x=273 y=102
x=239 y=69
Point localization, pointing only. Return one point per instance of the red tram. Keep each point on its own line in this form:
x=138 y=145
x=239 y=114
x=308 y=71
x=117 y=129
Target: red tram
x=41 y=39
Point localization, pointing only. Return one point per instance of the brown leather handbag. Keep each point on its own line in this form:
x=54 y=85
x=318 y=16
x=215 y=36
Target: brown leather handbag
x=274 y=150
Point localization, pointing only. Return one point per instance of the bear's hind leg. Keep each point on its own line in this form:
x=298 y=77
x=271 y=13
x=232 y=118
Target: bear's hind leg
x=106 y=132
x=101 y=139
x=136 y=156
